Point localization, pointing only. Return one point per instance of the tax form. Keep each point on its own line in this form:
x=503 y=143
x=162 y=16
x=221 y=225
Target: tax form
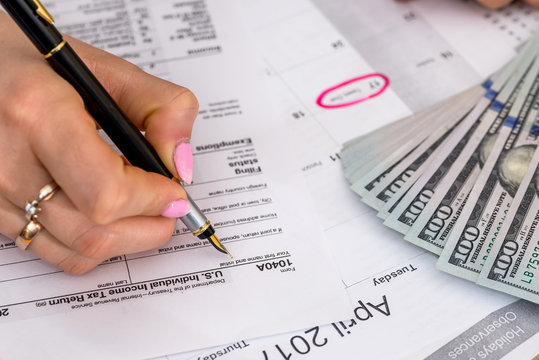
x=404 y=307
x=185 y=295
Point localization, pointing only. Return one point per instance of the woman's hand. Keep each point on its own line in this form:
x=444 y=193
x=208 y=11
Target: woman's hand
x=104 y=207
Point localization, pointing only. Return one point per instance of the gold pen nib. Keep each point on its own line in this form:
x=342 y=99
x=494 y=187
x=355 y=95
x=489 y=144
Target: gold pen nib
x=218 y=245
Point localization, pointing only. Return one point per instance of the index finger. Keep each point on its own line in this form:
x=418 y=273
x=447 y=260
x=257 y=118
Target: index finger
x=166 y=111
x=90 y=172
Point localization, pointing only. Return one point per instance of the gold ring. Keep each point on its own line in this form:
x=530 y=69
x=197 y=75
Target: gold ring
x=27 y=234
x=45 y=193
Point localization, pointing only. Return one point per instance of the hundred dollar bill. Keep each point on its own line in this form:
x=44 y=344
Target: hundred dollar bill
x=364 y=155
x=405 y=206
x=415 y=162
x=368 y=159
x=513 y=263
x=388 y=150
x=406 y=156
x=364 y=179
x=451 y=146
x=432 y=227
x=477 y=228
x=358 y=151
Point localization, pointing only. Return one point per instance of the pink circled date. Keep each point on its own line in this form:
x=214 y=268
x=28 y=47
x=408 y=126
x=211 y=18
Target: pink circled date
x=353 y=91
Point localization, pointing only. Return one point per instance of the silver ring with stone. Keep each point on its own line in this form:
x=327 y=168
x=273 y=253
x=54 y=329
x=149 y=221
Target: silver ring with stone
x=45 y=193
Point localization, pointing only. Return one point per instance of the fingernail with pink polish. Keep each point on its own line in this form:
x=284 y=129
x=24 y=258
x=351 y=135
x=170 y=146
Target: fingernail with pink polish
x=183 y=160
x=177 y=209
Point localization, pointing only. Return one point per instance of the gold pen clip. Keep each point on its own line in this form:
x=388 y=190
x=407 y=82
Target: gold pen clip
x=41 y=11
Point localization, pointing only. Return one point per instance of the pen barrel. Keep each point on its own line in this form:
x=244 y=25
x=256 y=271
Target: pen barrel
x=106 y=112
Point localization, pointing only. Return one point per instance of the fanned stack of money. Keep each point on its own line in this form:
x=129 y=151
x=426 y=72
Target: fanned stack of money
x=461 y=179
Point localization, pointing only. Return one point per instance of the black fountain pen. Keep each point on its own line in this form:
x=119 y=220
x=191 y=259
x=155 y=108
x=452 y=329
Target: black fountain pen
x=38 y=25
